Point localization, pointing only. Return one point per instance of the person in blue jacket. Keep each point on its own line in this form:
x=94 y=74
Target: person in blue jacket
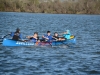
x=34 y=38
x=47 y=37
x=16 y=35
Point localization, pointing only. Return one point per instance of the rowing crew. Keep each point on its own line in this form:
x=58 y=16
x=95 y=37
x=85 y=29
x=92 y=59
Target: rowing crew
x=47 y=37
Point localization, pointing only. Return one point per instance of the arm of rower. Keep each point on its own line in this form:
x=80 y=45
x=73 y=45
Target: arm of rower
x=45 y=37
x=20 y=36
x=29 y=37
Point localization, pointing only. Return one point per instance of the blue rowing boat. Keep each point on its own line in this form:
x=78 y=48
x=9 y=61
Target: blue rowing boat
x=10 y=42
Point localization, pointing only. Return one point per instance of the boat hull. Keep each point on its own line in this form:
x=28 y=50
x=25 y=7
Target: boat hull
x=9 y=42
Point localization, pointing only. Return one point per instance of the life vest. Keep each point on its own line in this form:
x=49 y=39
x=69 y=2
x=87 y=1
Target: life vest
x=16 y=37
x=13 y=35
x=34 y=40
x=50 y=38
x=67 y=36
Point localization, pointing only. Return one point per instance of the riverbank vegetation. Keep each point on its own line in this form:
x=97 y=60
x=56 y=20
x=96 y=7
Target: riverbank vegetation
x=51 y=6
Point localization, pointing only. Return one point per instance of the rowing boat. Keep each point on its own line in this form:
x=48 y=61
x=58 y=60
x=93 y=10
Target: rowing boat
x=10 y=42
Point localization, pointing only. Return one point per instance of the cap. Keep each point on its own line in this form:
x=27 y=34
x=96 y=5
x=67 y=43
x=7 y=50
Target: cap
x=68 y=31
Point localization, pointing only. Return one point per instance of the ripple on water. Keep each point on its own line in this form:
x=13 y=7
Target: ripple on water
x=80 y=59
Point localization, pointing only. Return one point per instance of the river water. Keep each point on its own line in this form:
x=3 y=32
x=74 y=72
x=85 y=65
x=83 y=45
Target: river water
x=81 y=59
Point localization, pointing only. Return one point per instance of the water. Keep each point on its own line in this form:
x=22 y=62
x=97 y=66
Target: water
x=82 y=59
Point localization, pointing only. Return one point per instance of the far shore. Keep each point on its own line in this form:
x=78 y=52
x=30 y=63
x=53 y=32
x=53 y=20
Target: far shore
x=49 y=13
x=51 y=6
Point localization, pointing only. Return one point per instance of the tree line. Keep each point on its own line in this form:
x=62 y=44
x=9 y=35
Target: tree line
x=55 y=6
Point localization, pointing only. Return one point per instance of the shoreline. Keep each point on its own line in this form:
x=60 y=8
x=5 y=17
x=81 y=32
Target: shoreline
x=48 y=13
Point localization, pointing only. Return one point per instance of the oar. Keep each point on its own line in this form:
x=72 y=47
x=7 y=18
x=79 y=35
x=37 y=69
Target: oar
x=3 y=38
x=50 y=44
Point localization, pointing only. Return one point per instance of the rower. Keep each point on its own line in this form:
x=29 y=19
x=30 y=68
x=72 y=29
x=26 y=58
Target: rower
x=16 y=35
x=47 y=37
x=34 y=38
x=57 y=38
x=66 y=34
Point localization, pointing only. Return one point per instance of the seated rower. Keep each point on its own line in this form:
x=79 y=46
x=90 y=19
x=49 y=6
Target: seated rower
x=57 y=38
x=67 y=34
x=16 y=35
x=34 y=38
x=47 y=37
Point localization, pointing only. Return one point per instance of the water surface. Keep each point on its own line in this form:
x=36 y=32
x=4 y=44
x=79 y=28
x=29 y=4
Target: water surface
x=82 y=59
